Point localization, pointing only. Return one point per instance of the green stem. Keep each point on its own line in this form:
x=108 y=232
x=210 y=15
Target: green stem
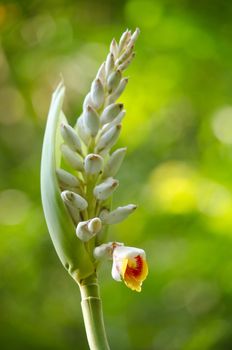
x=92 y=313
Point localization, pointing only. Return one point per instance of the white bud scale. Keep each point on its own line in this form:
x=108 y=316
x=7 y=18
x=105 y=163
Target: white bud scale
x=93 y=164
x=74 y=200
x=67 y=179
x=71 y=138
x=105 y=189
x=111 y=112
x=114 y=162
x=97 y=93
x=72 y=158
x=119 y=214
x=91 y=120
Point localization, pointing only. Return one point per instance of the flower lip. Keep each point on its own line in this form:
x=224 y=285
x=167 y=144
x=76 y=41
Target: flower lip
x=129 y=264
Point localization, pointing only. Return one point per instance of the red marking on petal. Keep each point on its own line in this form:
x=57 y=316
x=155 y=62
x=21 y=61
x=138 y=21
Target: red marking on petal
x=135 y=270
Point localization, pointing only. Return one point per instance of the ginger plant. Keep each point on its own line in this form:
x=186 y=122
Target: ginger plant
x=78 y=172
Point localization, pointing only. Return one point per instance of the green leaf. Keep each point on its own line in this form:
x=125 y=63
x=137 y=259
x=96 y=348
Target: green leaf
x=69 y=248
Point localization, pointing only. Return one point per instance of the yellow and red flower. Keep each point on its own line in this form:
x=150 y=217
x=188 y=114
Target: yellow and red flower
x=129 y=265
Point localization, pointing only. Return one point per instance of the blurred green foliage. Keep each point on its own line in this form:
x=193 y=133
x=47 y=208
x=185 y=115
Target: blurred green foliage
x=179 y=169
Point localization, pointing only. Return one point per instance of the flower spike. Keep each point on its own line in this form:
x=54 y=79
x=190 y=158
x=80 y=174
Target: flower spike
x=77 y=184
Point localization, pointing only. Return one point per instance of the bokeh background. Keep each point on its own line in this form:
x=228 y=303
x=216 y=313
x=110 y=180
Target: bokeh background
x=178 y=130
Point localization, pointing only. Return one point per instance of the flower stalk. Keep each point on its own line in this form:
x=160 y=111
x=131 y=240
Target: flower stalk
x=78 y=172
x=91 y=305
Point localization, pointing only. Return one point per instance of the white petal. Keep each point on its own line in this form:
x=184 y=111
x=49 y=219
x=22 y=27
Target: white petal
x=105 y=250
x=116 y=269
x=123 y=252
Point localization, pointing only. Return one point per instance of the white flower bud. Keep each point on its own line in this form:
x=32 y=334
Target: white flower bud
x=105 y=189
x=82 y=131
x=71 y=138
x=125 y=55
x=114 y=48
x=125 y=64
x=113 y=80
x=115 y=122
x=72 y=158
x=114 y=162
x=87 y=229
x=73 y=211
x=82 y=231
x=105 y=251
x=97 y=93
x=109 y=64
x=87 y=101
x=67 y=179
x=125 y=38
x=119 y=214
x=93 y=164
x=101 y=73
x=74 y=200
x=94 y=225
x=117 y=93
x=91 y=121
x=135 y=35
x=111 y=112
x=108 y=139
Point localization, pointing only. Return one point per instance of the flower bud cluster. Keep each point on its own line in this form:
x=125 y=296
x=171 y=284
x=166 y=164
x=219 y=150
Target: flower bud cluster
x=88 y=181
